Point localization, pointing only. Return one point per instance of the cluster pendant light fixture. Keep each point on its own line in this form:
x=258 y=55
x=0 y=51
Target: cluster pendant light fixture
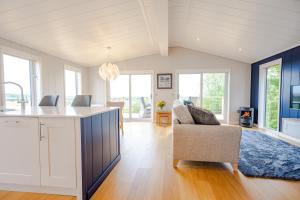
x=109 y=71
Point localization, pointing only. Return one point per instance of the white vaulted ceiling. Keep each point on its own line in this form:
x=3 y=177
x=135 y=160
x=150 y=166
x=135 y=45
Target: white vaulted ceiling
x=80 y=30
x=259 y=28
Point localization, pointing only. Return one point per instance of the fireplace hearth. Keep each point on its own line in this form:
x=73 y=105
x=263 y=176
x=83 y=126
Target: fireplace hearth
x=246 y=117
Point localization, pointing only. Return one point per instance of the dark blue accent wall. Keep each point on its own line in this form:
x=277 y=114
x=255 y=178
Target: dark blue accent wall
x=290 y=75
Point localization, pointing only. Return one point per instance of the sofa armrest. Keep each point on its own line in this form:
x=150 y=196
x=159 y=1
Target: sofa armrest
x=220 y=143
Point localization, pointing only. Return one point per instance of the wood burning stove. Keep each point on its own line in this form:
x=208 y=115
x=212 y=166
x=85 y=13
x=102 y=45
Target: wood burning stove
x=246 y=117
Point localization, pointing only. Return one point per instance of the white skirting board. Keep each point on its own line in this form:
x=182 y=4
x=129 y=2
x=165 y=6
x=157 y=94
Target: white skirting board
x=289 y=139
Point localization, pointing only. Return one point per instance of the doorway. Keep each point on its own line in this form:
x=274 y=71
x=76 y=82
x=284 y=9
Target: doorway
x=136 y=91
x=209 y=91
x=269 y=95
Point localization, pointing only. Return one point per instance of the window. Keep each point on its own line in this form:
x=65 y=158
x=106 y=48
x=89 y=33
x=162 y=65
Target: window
x=213 y=93
x=272 y=97
x=119 y=91
x=72 y=84
x=206 y=90
x=269 y=95
x=23 y=72
x=136 y=91
x=186 y=92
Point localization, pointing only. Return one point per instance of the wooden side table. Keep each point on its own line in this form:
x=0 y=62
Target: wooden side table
x=163 y=118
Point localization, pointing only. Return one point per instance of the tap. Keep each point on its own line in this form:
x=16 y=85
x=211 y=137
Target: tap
x=22 y=100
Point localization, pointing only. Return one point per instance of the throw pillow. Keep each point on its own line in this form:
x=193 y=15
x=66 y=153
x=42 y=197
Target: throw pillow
x=203 y=116
x=183 y=115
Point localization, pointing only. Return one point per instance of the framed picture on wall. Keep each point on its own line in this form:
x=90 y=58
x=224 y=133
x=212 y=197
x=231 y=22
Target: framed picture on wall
x=164 y=81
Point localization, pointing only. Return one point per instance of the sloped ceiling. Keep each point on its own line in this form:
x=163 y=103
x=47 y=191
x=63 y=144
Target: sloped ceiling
x=80 y=30
x=244 y=30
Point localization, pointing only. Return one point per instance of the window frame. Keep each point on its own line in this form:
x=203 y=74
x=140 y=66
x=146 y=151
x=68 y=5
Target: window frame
x=35 y=73
x=262 y=93
x=209 y=71
x=78 y=87
x=130 y=73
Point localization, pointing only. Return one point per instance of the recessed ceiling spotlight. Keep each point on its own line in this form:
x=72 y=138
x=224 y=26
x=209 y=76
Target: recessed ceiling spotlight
x=240 y=49
x=197 y=39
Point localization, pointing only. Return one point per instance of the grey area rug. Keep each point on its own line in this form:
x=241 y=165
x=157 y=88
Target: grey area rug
x=268 y=157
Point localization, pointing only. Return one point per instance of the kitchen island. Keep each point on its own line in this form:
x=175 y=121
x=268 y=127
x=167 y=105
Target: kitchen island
x=66 y=151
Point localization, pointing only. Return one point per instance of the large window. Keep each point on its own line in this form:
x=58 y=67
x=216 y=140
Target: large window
x=119 y=91
x=213 y=93
x=186 y=92
x=72 y=84
x=23 y=72
x=136 y=91
x=269 y=95
x=272 y=97
x=206 y=90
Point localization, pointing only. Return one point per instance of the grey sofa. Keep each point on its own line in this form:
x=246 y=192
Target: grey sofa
x=210 y=143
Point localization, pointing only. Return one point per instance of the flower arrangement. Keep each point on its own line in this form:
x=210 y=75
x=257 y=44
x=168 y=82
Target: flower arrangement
x=161 y=104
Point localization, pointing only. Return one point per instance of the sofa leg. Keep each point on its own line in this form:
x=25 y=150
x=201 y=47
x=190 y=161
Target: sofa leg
x=234 y=166
x=175 y=162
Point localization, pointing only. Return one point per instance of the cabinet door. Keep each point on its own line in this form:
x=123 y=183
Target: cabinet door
x=113 y=130
x=58 y=166
x=97 y=146
x=87 y=153
x=19 y=151
x=106 y=142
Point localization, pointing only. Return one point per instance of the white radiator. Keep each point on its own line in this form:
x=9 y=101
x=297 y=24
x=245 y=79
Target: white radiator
x=291 y=127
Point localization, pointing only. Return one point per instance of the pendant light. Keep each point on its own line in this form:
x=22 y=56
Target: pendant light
x=109 y=71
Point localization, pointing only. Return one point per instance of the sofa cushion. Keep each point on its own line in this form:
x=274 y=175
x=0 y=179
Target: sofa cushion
x=203 y=116
x=183 y=115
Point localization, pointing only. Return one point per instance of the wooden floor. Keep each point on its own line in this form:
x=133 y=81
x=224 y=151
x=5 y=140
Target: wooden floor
x=145 y=172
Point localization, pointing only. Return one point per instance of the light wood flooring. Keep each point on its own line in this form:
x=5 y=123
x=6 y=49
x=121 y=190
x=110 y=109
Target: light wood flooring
x=145 y=172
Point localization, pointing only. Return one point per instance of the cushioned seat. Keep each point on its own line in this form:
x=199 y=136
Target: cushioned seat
x=49 y=100
x=82 y=101
x=208 y=143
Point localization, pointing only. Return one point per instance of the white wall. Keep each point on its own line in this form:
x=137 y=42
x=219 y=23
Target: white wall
x=184 y=59
x=96 y=86
x=52 y=70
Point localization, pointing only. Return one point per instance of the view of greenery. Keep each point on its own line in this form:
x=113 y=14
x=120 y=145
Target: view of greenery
x=212 y=94
x=272 y=97
x=136 y=107
x=137 y=86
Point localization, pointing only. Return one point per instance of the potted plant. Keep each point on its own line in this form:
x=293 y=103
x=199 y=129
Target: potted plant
x=161 y=104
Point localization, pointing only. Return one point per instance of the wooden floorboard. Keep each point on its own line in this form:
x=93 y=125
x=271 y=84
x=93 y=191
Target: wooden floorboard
x=145 y=172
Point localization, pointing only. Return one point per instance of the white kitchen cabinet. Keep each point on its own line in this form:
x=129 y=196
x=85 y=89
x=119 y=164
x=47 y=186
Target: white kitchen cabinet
x=57 y=152
x=19 y=150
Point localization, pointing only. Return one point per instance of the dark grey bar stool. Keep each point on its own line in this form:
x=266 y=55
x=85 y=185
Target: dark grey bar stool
x=82 y=101
x=49 y=100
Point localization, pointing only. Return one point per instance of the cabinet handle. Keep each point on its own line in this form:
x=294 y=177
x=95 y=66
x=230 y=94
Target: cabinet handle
x=12 y=122
x=41 y=136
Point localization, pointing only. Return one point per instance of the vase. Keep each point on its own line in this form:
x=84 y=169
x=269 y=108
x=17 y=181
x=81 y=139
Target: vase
x=161 y=108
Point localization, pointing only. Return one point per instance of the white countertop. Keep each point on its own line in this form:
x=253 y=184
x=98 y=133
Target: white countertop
x=57 y=112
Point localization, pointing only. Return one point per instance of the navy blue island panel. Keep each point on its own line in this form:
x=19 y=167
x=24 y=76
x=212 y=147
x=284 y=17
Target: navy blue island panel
x=100 y=144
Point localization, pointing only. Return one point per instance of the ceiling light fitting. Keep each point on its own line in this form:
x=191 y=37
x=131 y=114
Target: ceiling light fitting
x=108 y=70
